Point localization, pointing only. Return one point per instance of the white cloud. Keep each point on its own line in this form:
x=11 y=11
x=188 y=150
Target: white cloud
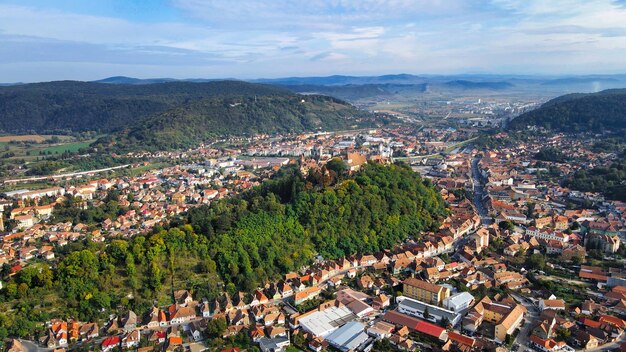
x=270 y=38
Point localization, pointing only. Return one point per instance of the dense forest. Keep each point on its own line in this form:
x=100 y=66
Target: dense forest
x=192 y=123
x=279 y=227
x=603 y=112
x=236 y=243
x=608 y=180
x=88 y=106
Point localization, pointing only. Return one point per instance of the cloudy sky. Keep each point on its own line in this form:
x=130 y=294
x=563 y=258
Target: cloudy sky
x=44 y=40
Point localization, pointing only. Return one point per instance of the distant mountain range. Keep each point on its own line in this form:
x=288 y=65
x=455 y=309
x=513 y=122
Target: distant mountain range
x=357 y=88
x=596 y=112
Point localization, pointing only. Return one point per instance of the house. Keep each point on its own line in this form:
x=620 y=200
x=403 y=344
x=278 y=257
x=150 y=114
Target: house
x=158 y=337
x=110 y=343
x=554 y=304
x=285 y=289
x=380 y=302
x=366 y=282
x=546 y=345
x=89 y=331
x=128 y=321
x=415 y=324
x=131 y=339
x=307 y=294
x=462 y=342
x=195 y=331
x=205 y=310
x=182 y=315
x=182 y=297
x=381 y=330
x=277 y=344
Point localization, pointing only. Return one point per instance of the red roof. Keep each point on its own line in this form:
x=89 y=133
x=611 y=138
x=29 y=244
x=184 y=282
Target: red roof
x=612 y=320
x=429 y=329
x=462 y=339
x=398 y=318
x=236 y=349
x=111 y=341
x=176 y=340
x=590 y=323
x=413 y=323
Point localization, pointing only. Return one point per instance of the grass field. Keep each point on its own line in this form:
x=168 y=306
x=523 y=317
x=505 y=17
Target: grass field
x=71 y=147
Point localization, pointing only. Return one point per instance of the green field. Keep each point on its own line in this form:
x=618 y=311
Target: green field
x=71 y=147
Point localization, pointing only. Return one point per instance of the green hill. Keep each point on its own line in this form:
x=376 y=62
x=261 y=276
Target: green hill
x=194 y=122
x=171 y=114
x=89 y=106
x=597 y=112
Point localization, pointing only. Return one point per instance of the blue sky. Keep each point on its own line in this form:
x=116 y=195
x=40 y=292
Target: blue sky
x=86 y=40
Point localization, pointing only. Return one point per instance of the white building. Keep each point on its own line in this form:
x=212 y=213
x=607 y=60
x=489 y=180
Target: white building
x=459 y=301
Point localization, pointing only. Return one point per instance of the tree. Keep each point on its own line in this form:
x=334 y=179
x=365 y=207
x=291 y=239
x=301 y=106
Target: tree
x=22 y=290
x=536 y=261
x=577 y=259
x=562 y=334
x=426 y=314
x=506 y=225
x=444 y=322
x=155 y=276
x=216 y=327
x=338 y=166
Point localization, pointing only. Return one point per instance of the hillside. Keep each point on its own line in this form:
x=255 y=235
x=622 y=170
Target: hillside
x=194 y=122
x=233 y=244
x=597 y=112
x=89 y=106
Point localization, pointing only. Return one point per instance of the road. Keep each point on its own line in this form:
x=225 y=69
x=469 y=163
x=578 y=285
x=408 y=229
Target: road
x=33 y=347
x=71 y=174
x=479 y=192
x=532 y=319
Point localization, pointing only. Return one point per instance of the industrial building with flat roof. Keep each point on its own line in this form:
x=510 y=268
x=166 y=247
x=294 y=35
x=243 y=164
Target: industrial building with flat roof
x=350 y=337
x=326 y=321
x=416 y=308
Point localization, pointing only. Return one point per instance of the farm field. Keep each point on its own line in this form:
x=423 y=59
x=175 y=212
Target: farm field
x=21 y=153
x=30 y=138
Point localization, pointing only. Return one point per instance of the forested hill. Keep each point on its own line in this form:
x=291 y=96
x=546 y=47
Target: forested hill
x=194 y=122
x=236 y=243
x=597 y=112
x=90 y=106
x=280 y=226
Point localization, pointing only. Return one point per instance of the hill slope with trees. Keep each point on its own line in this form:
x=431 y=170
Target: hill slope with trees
x=603 y=112
x=234 y=244
x=171 y=114
x=194 y=122
x=90 y=106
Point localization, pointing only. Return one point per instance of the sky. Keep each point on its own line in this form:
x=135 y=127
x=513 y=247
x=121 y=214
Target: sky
x=93 y=39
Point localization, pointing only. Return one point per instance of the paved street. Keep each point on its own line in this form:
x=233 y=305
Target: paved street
x=532 y=319
x=479 y=192
x=32 y=347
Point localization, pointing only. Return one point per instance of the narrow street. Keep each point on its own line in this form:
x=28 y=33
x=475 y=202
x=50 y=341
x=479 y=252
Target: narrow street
x=532 y=319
